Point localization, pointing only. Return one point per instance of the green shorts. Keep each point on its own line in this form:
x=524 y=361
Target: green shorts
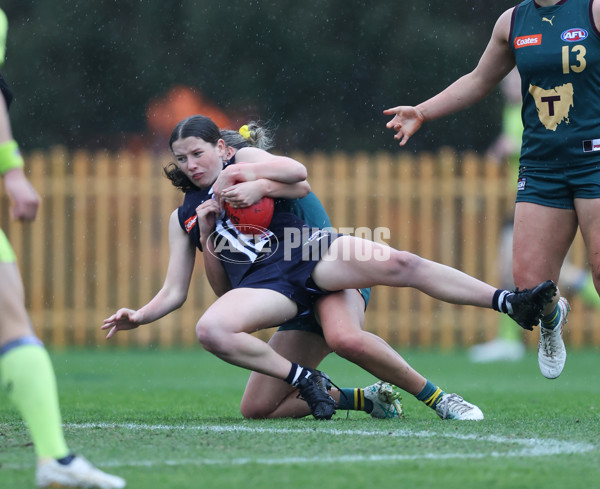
x=7 y=255
x=309 y=323
x=558 y=187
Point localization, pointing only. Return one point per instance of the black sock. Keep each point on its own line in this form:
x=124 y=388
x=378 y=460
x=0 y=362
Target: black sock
x=296 y=373
x=499 y=302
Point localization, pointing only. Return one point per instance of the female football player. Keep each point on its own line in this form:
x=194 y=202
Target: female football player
x=555 y=45
x=265 y=281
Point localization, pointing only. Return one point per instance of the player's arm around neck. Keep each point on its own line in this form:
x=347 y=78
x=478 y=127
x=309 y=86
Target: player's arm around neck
x=267 y=165
x=280 y=190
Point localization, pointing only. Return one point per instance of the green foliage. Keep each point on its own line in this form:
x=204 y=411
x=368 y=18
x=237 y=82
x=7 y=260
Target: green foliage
x=171 y=419
x=319 y=71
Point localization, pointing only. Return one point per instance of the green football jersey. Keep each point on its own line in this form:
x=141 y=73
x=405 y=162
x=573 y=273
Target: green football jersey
x=557 y=50
x=310 y=210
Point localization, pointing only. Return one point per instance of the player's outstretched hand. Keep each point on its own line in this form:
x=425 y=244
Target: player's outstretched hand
x=407 y=120
x=123 y=319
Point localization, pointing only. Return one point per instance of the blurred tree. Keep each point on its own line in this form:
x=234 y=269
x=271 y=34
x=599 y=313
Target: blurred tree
x=319 y=71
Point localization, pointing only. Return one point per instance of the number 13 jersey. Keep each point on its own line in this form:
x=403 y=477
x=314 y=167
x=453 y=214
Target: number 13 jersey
x=557 y=51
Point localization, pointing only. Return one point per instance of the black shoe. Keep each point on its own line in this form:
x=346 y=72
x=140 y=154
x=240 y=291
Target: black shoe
x=527 y=304
x=313 y=389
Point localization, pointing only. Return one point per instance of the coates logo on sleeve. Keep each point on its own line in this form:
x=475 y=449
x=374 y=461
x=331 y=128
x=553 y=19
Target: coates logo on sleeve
x=574 y=35
x=524 y=41
x=190 y=223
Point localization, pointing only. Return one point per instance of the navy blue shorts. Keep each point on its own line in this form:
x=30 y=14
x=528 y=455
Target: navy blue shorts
x=288 y=268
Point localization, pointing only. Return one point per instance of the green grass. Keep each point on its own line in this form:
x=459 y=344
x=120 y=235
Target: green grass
x=170 y=419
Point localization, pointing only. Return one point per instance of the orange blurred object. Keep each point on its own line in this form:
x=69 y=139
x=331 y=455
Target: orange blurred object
x=180 y=102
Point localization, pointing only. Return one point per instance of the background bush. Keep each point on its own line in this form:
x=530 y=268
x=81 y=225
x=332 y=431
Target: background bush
x=320 y=71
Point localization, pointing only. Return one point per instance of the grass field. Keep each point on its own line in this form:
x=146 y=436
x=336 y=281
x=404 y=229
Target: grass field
x=170 y=419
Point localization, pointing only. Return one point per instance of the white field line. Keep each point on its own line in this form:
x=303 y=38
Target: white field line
x=523 y=447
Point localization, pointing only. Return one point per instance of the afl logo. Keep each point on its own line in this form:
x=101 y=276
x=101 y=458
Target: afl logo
x=573 y=35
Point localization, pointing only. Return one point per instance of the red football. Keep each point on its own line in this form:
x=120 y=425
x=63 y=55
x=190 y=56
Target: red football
x=253 y=219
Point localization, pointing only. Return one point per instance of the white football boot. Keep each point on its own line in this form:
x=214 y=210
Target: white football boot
x=452 y=406
x=552 y=353
x=78 y=473
x=386 y=401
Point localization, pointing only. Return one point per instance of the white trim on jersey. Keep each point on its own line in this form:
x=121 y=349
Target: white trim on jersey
x=243 y=243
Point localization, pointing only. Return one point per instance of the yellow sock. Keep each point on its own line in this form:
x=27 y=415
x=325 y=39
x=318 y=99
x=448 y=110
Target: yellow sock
x=28 y=378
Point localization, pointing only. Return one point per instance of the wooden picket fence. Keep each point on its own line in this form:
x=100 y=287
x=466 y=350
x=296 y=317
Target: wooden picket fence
x=100 y=242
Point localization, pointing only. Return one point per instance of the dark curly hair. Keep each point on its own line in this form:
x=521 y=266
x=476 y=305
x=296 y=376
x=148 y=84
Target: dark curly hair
x=197 y=126
x=202 y=127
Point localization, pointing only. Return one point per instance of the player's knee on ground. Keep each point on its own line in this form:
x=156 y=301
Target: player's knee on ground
x=256 y=408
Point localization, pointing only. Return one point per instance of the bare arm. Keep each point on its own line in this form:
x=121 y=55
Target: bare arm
x=5 y=129
x=270 y=166
x=247 y=193
x=262 y=165
x=279 y=190
x=596 y=13
x=495 y=63
x=215 y=273
x=23 y=197
x=174 y=291
x=260 y=174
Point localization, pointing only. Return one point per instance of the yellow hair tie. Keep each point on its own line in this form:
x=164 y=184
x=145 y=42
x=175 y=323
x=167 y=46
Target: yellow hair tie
x=244 y=131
